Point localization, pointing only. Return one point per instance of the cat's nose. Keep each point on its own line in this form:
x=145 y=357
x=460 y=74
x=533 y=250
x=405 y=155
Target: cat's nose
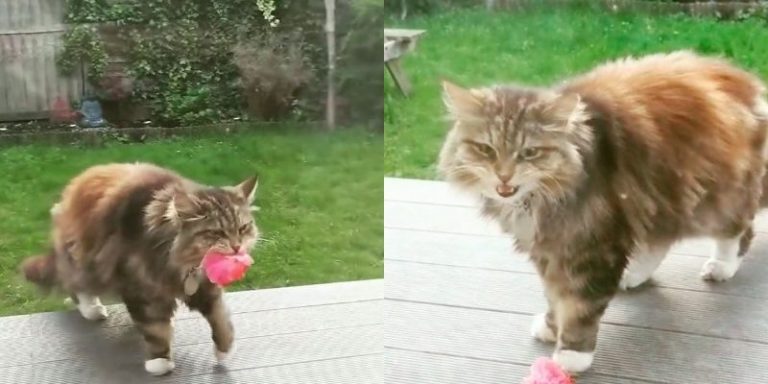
x=236 y=248
x=504 y=177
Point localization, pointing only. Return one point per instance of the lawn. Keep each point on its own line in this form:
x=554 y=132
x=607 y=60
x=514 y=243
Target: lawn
x=320 y=197
x=540 y=47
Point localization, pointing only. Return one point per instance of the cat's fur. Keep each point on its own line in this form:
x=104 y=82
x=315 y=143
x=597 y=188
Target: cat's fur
x=141 y=231
x=626 y=160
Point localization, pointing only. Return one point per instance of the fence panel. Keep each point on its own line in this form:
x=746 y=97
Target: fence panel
x=30 y=39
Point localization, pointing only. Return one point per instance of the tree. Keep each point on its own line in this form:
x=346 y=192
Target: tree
x=330 y=30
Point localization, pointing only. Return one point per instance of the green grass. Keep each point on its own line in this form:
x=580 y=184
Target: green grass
x=320 y=197
x=474 y=47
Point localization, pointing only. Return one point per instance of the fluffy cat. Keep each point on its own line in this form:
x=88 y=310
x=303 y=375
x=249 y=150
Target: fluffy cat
x=597 y=177
x=141 y=231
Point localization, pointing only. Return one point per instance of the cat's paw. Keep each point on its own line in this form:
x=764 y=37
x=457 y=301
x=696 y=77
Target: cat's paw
x=159 y=366
x=222 y=357
x=540 y=330
x=630 y=280
x=718 y=270
x=573 y=361
x=93 y=311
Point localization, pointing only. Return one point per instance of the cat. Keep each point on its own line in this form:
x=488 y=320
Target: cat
x=598 y=176
x=140 y=231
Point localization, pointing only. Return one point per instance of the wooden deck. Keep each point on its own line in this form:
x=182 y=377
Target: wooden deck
x=328 y=333
x=459 y=304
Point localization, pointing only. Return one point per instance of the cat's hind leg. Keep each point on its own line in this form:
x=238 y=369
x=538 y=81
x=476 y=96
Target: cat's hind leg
x=643 y=262
x=726 y=260
x=90 y=306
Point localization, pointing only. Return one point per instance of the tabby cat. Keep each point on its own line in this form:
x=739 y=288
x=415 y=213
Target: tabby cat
x=598 y=176
x=141 y=231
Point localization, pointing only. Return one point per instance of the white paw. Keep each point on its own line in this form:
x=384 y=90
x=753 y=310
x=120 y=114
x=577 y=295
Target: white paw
x=159 y=366
x=92 y=311
x=631 y=280
x=717 y=270
x=223 y=356
x=573 y=361
x=540 y=330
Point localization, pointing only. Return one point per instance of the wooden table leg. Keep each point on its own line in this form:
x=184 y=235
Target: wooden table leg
x=398 y=75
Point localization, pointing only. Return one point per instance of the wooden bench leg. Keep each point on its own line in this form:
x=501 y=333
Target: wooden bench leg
x=398 y=75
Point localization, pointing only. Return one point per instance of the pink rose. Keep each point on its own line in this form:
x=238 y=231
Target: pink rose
x=223 y=269
x=546 y=371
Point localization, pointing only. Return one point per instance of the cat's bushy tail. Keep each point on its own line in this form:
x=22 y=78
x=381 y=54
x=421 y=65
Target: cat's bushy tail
x=41 y=270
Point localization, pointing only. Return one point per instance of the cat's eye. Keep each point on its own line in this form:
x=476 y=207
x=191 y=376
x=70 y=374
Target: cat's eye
x=530 y=153
x=486 y=150
x=215 y=233
x=244 y=228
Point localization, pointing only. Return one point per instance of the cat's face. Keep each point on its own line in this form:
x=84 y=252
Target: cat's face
x=508 y=143
x=217 y=219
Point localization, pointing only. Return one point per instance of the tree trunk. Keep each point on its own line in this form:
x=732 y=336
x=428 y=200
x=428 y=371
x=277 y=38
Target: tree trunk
x=330 y=30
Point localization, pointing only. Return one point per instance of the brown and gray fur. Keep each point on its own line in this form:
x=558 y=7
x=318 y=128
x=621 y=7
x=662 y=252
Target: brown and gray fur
x=598 y=176
x=141 y=231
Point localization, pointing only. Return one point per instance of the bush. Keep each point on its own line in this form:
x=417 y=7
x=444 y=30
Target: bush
x=176 y=55
x=273 y=70
x=202 y=61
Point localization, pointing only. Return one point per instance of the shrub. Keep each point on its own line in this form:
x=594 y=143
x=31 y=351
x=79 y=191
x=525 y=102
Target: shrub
x=176 y=55
x=273 y=71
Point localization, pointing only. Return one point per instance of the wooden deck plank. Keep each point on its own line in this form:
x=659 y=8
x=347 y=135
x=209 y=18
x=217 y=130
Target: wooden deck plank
x=659 y=308
x=425 y=192
x=679 y=271
x=274 y=328
x=193 y=330
x=438 y=218
x=43 y=324
x=653 y=355
x=414 y=367
x=353 y=370
x=462 y=220
x=123 y=365
x=460 y=302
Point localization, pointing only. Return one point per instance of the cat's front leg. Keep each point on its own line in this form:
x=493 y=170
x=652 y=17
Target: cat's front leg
x=544 y=325
x=579 y=294
x=154 y=320
x=209 y=302
x=578 y=323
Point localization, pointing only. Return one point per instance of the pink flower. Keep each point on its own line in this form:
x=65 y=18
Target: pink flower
x=223 y=269
x=546 y=371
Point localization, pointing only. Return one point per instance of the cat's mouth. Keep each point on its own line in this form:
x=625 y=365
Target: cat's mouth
x=506 y=190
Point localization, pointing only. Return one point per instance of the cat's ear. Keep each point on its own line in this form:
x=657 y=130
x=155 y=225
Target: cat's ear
x=463 y=104
x=182 y=206
x=566 y=110
x=247 y=189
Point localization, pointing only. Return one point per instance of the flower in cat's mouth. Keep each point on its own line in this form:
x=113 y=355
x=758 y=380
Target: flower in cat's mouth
x=506 y=190
x=224 y=268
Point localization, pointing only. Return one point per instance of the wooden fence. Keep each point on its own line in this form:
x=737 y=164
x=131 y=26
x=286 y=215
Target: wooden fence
x=30 y=39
